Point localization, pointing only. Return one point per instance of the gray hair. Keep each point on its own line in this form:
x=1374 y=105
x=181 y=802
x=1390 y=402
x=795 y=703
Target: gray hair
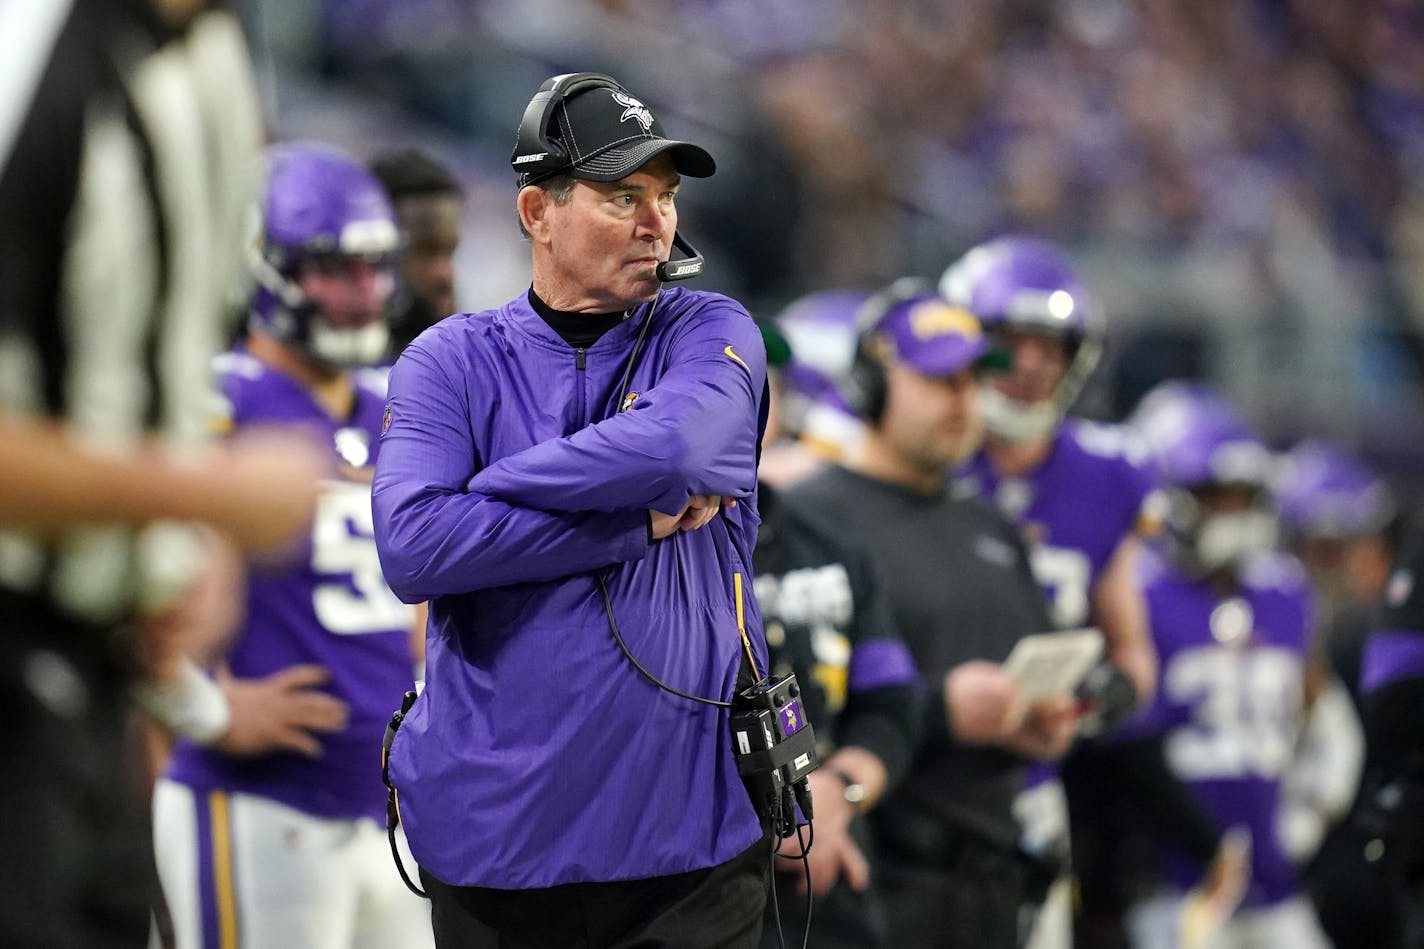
x=558 y=187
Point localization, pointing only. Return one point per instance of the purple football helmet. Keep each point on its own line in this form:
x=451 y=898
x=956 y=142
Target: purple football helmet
x=823 y=331
x=1197 y=441
x=1028 y=284
x=1325 y=492
x=320 y=204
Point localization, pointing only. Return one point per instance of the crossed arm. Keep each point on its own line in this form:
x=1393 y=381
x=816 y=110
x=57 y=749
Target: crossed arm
x=565 y=505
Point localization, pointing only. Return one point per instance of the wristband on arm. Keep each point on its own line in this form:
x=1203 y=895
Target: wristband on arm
x=190 y=704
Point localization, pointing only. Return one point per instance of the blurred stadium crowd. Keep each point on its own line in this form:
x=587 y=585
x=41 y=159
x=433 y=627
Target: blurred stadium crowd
x=1242 y=181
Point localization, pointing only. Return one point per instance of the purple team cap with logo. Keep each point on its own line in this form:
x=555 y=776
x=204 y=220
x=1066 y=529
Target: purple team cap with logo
x=1326 y=492
x=935 y=338
x=609 y=134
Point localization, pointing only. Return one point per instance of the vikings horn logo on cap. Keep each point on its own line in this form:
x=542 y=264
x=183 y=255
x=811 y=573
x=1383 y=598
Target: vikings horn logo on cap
x=633 y=109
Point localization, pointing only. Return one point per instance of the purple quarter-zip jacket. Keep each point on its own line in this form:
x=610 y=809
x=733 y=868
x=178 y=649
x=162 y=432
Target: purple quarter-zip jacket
x=508 y=479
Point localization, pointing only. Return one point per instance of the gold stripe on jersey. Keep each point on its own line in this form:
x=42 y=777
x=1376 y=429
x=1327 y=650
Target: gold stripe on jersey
x=223 y=870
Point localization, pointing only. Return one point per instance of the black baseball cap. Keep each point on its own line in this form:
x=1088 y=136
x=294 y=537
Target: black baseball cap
x=608 y=135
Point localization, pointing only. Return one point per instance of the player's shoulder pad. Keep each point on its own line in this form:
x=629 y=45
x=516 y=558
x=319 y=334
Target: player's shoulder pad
x=1105 y=440
x=1275 y=570
x=238 y=376
x=238 y=365
x=1153 y=565
x=375 y=380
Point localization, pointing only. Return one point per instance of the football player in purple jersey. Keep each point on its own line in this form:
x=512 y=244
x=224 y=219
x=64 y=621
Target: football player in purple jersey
x=1232 y=620
x=288 y=847
x=1071 y=486
x=1069 y=483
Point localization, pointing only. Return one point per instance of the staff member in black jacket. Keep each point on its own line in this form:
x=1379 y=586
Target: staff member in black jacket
x=956 y=575
x=827 y=622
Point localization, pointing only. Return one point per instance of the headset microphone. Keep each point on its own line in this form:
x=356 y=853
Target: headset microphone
x=689 y=266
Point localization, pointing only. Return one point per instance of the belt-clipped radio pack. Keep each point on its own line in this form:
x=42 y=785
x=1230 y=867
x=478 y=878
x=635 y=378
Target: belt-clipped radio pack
x=775 y=748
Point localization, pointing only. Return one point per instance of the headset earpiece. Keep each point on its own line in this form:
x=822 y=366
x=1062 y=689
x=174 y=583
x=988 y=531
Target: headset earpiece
x=536 y=155
x=867 y=372
x=867 y=384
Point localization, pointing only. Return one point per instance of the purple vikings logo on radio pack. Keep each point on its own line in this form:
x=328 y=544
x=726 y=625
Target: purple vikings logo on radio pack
x=776 y=749
x=791 y=718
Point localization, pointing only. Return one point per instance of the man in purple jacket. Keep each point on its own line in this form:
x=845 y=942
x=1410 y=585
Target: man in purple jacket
x=570 y=480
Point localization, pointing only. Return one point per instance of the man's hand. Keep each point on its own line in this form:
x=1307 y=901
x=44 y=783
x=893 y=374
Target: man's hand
x=280 y=712
x=982 y=703
x=835 y=854
x=697 y=513
x=1211 y=902
x=985 y=707
x=1048 y=728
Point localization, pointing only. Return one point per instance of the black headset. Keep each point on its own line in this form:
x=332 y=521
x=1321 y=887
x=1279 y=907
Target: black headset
x=537 y=156
x=866 y=384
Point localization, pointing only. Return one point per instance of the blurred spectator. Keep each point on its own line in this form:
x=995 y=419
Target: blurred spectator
x=428 y=202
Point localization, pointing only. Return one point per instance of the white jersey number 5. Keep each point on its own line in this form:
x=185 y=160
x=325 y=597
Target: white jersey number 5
x=343 y=542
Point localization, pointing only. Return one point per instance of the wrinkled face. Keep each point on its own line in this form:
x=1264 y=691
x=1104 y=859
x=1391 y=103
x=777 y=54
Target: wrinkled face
x=932 y=423
x=431 y=225
x=605 y=243
x=350 y=292
x=1039 y=361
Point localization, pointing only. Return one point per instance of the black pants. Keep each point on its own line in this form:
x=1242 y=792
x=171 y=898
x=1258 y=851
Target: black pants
x=842 y=919
x=77 y=867
x=972 y=903
x=1347 y=889
x=717 y=908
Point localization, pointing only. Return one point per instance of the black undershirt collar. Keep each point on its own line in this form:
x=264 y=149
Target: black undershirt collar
x=579 y=330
